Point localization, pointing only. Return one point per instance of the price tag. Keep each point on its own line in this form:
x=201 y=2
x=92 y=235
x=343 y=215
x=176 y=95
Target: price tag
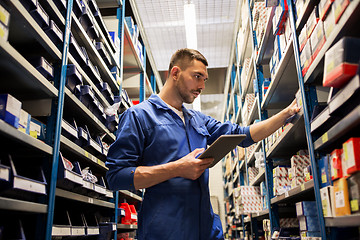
x=325 y=137
x=287 y=194
x=354 y=205
x=90 y=200
x=302 y=187
x=86 y=154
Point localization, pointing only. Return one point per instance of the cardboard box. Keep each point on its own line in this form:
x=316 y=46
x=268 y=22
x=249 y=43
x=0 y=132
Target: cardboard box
x=24 y=122
x=335 y=161
x=329 y=23
x=10 y=109
x=317 y=39
x=302 y=38
x=4 y=16
x=37 y=129
x=351 y=153
x=341 y=197
x=324 y=8
x=309 y=223
x=4 y=32
x=312 y=21
x=324 y=168
x=280 y=172
x=306 y=57
x=354 y=192
x=327 y=201
x=306 y=208
x=339 y=8
x=341 y=62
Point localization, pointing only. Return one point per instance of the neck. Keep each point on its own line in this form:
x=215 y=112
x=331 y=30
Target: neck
x=168 y=95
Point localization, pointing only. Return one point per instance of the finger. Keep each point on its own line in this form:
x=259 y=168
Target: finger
x=197 y=151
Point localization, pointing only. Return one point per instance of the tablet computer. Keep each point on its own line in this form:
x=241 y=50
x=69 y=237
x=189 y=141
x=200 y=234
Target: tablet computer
x=222 y=146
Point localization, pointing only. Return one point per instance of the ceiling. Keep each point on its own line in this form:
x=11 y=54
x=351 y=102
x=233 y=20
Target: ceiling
x=163 y=23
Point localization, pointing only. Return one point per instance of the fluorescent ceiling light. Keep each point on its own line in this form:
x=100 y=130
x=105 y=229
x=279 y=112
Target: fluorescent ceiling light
x=190 y=25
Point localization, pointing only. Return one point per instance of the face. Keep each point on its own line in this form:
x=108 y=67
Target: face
x=191 y=81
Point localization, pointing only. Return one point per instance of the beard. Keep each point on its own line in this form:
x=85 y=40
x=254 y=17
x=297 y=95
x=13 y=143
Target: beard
x=187 y=96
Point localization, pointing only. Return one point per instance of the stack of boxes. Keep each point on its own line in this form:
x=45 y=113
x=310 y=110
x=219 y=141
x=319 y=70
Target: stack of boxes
x=134 y=32
x=253 y=172
x=263 y=193
x=250 y=199
x=296 y=172
x=281 y=180
x=248 y=105
x=340 y=180
x=306 y=212
x=245 y=70
x=260 y=16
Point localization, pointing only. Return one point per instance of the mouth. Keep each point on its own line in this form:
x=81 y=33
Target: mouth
x=196 y=93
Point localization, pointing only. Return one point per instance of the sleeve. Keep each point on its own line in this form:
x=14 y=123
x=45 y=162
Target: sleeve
x=124 y=154
x=217 y=128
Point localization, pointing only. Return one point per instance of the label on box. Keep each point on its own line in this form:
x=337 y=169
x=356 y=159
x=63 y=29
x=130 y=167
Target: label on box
x=4 y=16
x=13 y=106
x=339 y=199
x=47 y=66
x=349 y=157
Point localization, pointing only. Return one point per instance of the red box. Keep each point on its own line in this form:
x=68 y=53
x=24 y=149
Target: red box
x=324 y=7
x=341 y=62
x=130 y=214
x=351 y=151
x=340 y=7
x=335 y=161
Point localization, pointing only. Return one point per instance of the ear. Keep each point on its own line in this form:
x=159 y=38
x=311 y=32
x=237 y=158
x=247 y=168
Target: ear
x=175 y=71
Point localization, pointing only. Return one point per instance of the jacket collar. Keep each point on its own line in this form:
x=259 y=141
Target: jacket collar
x=160 y=104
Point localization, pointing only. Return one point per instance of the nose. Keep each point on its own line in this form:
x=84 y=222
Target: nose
x=201 y=84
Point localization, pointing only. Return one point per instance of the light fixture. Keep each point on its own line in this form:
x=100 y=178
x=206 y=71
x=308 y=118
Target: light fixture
x=190 y=25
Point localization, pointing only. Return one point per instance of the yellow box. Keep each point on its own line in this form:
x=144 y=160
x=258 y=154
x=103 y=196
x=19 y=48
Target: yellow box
x=341 y=197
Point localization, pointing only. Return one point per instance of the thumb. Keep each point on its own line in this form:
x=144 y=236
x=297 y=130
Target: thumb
x=197 y=151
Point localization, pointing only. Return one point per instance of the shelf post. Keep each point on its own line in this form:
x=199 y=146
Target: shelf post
x=60 y=108
x=153 y=82
x=307 y=122
x=120 y=15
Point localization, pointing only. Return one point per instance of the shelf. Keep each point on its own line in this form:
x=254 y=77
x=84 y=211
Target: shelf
x=74 y=103
x=344 y=221
x=340 y=132
x=9 y=132
x=22 y=23
x=127 y=227
x=259 y=178
x=49 y=5
x=235 y=177
x=81 y=198
x=291 y=140
x=294 y=194
x=284 y=85
x=347 y=22
x=252 y=156
x=23 y=206
x=129 y=195
x=131 y=83
x=88 y=81
x=131 y=63
x=247 y=45
x=308 y=8
x=260 y=215
x=266 y=49
x=340 y=104
x=80 y=152
x=94 y=55
x=109 y=3
x=25 y=79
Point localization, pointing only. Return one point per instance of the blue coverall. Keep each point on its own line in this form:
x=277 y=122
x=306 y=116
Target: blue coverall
x=149 y=134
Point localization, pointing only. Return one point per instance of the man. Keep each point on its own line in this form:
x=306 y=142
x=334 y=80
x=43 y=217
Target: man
x=156 y=149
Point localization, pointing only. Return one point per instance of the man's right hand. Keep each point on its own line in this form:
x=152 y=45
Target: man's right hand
x=191 y=167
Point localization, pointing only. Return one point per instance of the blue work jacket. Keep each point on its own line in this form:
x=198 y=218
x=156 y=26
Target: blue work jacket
x=149 y=134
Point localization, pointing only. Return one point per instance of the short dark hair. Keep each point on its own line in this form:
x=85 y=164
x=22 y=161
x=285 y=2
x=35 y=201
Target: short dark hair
x=183 y=57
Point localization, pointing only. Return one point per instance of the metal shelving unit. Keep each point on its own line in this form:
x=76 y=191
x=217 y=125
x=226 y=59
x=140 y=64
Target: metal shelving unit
x=29 y=86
